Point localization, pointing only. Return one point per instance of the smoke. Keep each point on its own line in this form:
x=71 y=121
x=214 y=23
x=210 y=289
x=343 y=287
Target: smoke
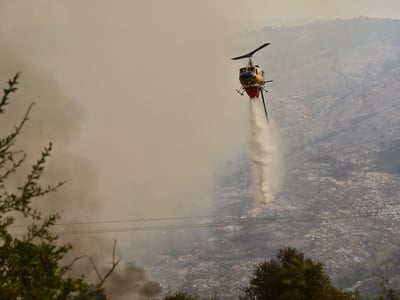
x=265 y=154
x=136 y=98
x=131 y=282
x=56 y=118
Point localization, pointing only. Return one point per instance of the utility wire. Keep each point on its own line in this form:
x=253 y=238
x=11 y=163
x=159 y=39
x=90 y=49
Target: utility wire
x=127 y=220
x=221 y=220
x=244 y=222
x=388 y=205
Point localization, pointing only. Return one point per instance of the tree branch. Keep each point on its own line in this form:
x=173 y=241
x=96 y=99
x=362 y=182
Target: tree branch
x=113 y=266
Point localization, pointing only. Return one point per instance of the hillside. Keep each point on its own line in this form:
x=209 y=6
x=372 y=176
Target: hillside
x=335 y=98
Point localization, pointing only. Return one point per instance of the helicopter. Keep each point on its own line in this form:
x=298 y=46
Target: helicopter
x=251 y=78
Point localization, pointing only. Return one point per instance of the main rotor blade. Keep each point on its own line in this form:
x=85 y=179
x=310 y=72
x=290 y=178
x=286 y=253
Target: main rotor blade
x=250 y=54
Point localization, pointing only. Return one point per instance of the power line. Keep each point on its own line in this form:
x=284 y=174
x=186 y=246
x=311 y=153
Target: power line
x=249 y=221
x=279 y=216
x=245 y=216
x=127 y=220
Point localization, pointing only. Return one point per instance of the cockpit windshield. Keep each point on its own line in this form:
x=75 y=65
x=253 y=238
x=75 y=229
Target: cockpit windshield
x=247 y=69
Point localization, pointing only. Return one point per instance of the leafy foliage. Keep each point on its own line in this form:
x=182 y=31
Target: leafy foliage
x=180 y=296
x=291 y=276
x=186 y=296
x=30 y=263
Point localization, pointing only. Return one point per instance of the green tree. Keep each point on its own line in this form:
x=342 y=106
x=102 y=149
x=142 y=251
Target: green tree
x=30 y=263
x=187 y=296
x=291 y=276
x=180 y=296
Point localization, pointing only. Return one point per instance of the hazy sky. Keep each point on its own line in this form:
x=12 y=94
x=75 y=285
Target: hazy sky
x=258 y=13
x=250 y=14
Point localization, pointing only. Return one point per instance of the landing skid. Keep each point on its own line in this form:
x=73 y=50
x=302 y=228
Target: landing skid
x=265 y=107
x=241 y=91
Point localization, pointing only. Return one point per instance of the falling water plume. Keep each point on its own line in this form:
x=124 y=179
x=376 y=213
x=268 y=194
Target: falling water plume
x=264 y=153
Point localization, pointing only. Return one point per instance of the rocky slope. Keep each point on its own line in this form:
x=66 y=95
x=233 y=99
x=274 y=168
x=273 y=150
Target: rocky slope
x=336 y=100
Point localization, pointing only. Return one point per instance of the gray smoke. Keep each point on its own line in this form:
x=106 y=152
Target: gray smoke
x=131 y=282
x=136 y=97
x=56 y=118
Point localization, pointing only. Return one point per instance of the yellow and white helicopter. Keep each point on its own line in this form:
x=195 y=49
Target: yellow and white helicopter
x=251 y=78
